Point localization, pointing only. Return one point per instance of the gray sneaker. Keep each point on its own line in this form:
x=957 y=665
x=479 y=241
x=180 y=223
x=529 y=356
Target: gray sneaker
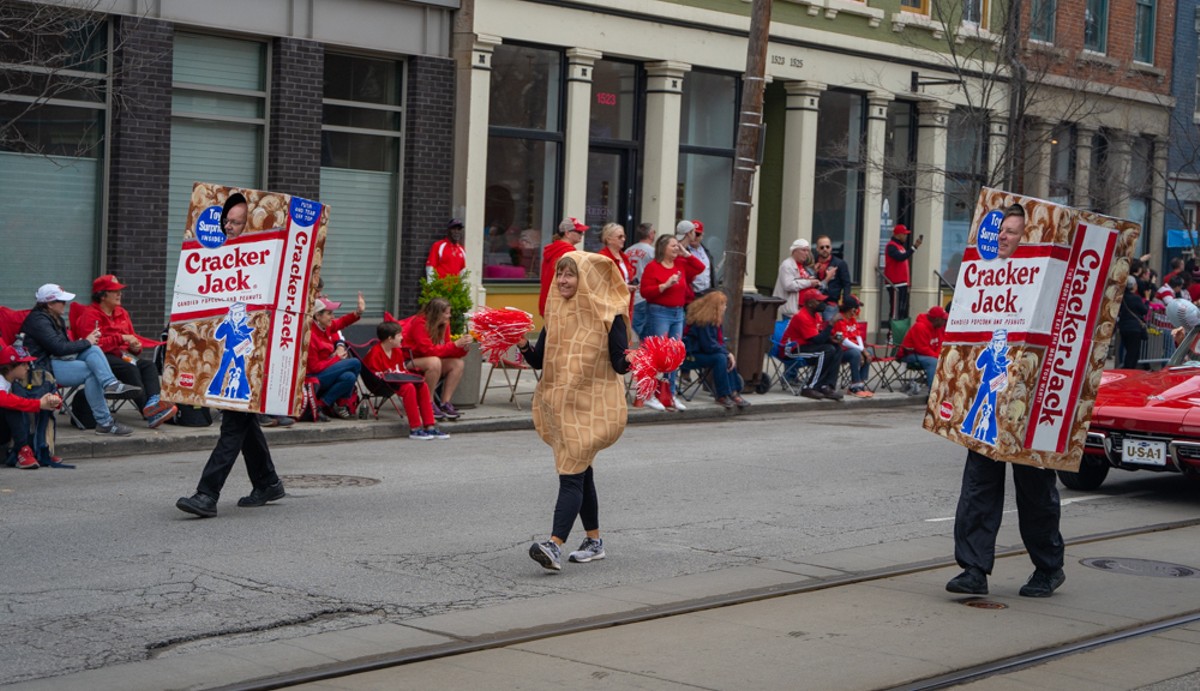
x=548 y=554
x=115 y=429
x=117 y=387
x=590 y=550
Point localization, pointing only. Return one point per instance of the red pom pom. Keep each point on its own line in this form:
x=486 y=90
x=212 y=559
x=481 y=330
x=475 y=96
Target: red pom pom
x=497 y=330
x=657 y=355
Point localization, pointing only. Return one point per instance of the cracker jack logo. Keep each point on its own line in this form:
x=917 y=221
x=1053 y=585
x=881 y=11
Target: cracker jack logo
x=230 y=382
x=992 y=364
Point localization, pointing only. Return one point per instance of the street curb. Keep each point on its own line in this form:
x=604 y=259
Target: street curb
x=152 y=442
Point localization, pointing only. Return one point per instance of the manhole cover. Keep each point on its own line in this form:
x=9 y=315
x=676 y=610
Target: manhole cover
x=320 y=481
x=981 y=603
x=1141 y=567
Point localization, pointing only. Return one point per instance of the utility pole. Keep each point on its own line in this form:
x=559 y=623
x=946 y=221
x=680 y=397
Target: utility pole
x=745 y=164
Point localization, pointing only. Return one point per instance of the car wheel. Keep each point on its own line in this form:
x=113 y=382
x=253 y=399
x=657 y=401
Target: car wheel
x=1090 y=476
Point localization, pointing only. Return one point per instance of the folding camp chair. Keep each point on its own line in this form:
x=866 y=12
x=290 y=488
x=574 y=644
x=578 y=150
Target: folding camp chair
x=692 y=378
x=115 y=401
x=781 y=359
x=890 y=370
x=372 y=390
x=510 y=362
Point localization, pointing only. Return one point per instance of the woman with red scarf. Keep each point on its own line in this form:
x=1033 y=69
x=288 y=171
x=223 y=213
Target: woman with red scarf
x=613 y=237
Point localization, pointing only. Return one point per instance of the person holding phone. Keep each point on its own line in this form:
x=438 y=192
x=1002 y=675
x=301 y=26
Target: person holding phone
x=896 y=269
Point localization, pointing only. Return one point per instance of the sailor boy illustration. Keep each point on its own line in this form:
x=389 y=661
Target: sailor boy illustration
x=230 y=381
x=992 y=364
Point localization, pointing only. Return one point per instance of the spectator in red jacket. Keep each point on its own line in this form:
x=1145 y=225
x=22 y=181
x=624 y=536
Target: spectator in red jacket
x=666 y=285
x=428 y=341
x=14 y=425
x=613 y=237
x=329 y=359
x=923 y=343
x=808 y=332
x=122 y=346
x=387 y=357
x=569 y=233
x=447 y=257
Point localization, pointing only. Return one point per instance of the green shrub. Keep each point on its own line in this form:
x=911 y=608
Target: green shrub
x=457 y=291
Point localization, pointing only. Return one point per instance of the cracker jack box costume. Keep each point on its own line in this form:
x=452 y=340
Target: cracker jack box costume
x=579 y=404
x=1026 y=338
x=238 y=335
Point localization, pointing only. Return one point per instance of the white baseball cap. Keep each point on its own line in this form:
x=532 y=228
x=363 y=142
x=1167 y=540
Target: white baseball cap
x=799 y=244
x=684 y=228
x=51 y=292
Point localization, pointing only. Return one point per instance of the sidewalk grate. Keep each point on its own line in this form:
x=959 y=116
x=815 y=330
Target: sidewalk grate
x=1140 y=567
x=982 y=603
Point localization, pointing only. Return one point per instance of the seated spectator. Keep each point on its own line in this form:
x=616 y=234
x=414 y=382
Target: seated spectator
x=854 y=351
x=427 y=340
x=387 y=357
x=808 y=332
x=706 y=347
x=329 y=359
x=122 y=347
x=72 y=362
x=14 y=423
x=923 y=343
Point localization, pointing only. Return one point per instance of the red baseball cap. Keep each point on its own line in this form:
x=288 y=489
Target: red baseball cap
x=11 y=356
x=107 y=282
x=936 y=312
x=900 y=229
x=697 y=227
x=810 y=294
x=581 y=227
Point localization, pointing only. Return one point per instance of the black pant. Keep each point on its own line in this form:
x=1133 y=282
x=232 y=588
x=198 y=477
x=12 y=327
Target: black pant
x=239 y=433
x=899 y=299
x=1131 y=341
x=576 y=497
x=14 y=425
x=827 y=371
x=980 y=509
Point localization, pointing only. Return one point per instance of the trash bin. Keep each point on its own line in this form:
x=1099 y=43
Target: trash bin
x=757 y=327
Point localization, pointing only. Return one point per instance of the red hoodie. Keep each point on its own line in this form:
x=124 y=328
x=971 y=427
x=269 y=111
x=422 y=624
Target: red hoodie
x=922 y=338
x=320 y=343
x=415 y=337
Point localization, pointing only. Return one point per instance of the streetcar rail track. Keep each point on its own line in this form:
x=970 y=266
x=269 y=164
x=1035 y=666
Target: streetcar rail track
x=652 y=612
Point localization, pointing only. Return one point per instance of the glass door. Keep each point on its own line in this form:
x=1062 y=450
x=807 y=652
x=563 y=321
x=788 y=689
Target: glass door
x=609 y=194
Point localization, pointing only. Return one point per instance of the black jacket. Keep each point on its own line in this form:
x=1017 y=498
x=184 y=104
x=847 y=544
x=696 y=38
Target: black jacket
x=1132 y=314
x=838 y=289
x=46 y=337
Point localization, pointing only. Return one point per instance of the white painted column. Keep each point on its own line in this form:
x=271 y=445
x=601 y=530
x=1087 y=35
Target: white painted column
x=877 y=110
x=931 y=201
x=473 y=56
x=799 y=163
x=660 y=167
x=1156 y=234
x=1117 y=189
x=1083 y=166
x=579 y=111
x=997 y=143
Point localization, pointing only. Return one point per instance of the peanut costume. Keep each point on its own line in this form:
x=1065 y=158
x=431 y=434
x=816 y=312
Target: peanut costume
x=579 y=406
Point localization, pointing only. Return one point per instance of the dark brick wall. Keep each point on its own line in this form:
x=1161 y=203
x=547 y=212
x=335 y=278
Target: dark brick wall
x=428 y=169
x=140 y=157
x=294 y=146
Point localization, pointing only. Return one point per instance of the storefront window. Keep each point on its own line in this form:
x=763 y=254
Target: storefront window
x=899 y=171
x=524 y=157
x=708 y=122
x=1062 y=164
x=837 y=204
x=53 y=88
x=1098 y=191
x=614 y=100
x=360 y=173
x=966 y=166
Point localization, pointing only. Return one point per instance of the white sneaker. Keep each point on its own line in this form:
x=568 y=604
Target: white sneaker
x=679 y=404
x=656 y=404
x=590 y=550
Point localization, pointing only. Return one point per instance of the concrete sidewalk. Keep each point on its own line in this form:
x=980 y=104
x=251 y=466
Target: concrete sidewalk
x=847 y=630
x=497 y=414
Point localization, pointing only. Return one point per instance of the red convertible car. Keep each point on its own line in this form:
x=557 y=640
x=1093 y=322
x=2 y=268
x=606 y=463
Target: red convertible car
x=1145 y=420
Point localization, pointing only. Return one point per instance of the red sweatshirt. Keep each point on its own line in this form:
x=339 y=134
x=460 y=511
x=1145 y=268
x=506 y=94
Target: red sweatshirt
x=112 y=328
x=804 y=327
x=379 y=362
x=446 y=258
x=320 y=343
x=922 y=338
x=678 y=295
x=416 y=338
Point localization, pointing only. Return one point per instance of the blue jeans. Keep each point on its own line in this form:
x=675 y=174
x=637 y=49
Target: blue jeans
x=665 y=321
x=337 y=380
x=859 y=370
x=927 y=363
x=639 y=318
x=91 y=369
x=722 y=379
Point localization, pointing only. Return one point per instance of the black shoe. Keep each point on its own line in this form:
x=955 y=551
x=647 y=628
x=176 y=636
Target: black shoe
x=265 y=420
x=831 y=393
x=1043 y=583
x=199 y=504
x=258 y=497
x=970 y=582
x=814 y=394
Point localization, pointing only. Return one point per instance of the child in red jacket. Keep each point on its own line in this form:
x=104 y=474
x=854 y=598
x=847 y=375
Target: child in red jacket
x=387 y=357
x=14 y=365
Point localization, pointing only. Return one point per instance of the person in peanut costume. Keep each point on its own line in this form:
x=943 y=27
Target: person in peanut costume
x=579 y=406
